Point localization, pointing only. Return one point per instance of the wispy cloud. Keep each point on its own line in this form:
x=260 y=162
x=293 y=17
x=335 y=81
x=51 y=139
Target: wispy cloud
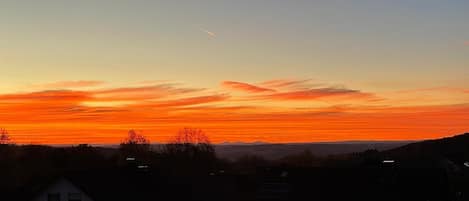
x=274 y=111
x=143 y=92
x=241 y=86
x=70 y=84
x=188 y=101
x=296 y=90
x=314 y=94
x=281 y=83
x=46 y=96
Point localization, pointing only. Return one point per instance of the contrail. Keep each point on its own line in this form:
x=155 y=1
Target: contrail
x=211 y=34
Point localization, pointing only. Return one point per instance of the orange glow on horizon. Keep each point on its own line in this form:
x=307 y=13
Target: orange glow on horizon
x=275 y=111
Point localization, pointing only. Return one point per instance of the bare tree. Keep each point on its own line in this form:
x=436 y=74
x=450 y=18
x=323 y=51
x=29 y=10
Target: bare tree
x=135 y=143
x=4 y=136
x=191 y=140
x=191 y=144
x=191 y=136
x=136 y=138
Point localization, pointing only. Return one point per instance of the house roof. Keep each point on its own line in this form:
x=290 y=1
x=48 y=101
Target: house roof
x=102 y=185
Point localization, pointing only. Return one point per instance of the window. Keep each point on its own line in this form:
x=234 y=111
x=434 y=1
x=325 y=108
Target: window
x=53 y=197
x=74 y=197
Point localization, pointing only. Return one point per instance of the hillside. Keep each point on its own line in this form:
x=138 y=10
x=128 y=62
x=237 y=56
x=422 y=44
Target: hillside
x=455 y=149
x=276 y=151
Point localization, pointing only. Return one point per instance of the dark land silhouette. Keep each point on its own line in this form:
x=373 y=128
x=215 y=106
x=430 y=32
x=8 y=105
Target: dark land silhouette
x=188 y=168
x=277 y=151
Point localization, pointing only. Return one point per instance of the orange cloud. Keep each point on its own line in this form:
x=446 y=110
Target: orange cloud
x=285 y=83
x=166 y=88
x=245 y=87
x=66 y=116
x=313 y=94
x=189 y=101
x=46 y=96
x=142 y=92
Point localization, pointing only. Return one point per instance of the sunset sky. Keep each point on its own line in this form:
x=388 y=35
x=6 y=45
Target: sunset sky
x=243 y=71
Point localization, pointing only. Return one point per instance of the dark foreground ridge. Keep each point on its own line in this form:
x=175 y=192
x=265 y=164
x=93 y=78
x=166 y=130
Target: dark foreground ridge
x=322 y=149
x=427 y=170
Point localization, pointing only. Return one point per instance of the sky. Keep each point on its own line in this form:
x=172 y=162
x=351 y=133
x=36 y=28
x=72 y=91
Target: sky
x=243 y=71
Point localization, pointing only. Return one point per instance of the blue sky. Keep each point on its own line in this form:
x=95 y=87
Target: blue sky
x=411 y=43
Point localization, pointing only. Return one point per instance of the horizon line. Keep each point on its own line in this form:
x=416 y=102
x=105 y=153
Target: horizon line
x=238 y=143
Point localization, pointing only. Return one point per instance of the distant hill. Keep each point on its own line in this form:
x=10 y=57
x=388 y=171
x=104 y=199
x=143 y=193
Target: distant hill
x=276 y=151
x=455 y=148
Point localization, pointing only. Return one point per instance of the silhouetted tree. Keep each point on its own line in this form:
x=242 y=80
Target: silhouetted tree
x=192 y=142
x=135 y=144
x=4 y=136
x=7 y=148
x=83 y=147
x=191 y=136
x=192 y=149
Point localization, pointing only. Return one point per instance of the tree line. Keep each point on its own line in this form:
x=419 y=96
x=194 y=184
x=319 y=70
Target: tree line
x=188 y=153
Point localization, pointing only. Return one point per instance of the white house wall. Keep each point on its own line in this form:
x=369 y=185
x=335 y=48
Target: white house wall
x=63 y=187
